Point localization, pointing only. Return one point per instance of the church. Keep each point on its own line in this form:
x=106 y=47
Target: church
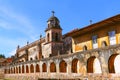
x=91 y=52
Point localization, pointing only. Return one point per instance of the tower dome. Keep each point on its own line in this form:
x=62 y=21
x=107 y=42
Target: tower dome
x=53 y=22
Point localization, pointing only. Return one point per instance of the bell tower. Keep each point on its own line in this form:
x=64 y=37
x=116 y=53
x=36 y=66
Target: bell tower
x=53 y=38
x=53 y=30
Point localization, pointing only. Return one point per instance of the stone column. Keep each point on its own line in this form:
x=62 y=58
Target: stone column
x=10 y=70
x=25 y=69
x=34 y=68
x=18 y=69
x=21 y=68
x=104 y=62
x=29 y=68
x=48 y=67
x=57 y=66
x=40 y=66
x=69 y=67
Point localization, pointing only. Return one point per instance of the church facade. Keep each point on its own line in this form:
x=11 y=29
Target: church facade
x=90 y=53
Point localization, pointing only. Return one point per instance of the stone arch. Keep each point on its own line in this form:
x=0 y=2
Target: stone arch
x=97 y=66
x=32 y=68
x=93 y=65
x=11 y=70
x=103 y=44
x=23 y=69
x=8 y=71
x=52 y=67
x=19 y=69
x=111 y=64
x=116 y=64
x=5 y=71
x=44 y=67
x=63 y=66
x=37 y=68
x=16 y=69
x=74 y=67
x=27 y=69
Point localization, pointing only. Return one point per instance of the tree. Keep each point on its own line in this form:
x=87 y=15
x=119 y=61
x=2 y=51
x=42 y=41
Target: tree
x=2 y=56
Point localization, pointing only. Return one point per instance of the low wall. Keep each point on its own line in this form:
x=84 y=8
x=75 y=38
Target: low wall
x=1 y=73
x=62 y=76
x=38 y=76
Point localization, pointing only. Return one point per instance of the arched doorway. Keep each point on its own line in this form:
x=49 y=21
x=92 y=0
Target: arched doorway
x=37 y=68
x=63 y=66
x=116 y=64
x=31 y=68
x=11 y=71
x=93 y=65
x=19 y=69
x=52 y=67
x=113 y=63
x=74 y=65
x=44 y=67
x=27 y=69
x=16 y=69
x=97 y=66
x=22 y=68
x=5 y=71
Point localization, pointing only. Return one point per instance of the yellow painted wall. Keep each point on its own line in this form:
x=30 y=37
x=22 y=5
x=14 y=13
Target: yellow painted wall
x=100 y=40
x=102 y=33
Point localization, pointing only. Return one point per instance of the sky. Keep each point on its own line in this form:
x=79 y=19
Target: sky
x=26 y=20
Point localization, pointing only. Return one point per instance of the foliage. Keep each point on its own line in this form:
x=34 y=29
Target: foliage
x=2 y=56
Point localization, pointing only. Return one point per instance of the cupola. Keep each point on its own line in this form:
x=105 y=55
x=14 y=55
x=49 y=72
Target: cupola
x=53 y=22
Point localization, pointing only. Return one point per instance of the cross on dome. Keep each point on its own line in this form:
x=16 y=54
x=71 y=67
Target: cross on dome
x=53 y=13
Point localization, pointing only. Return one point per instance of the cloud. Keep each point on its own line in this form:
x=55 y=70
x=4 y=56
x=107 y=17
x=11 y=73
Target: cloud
x=11 y=20
x=9 y=45
x=13 y=52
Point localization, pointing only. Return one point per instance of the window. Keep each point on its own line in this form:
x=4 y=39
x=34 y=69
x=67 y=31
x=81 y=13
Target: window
x=94 y=41
x=48 y=37
x=104 y=44
x=112 y=37
x=85 y=48
x=31 y=59
x=56 y=36
x=111 y=33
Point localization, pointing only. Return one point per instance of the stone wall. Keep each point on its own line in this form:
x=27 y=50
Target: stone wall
x=71 y=72
x=63 y=76
x=1 y=73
